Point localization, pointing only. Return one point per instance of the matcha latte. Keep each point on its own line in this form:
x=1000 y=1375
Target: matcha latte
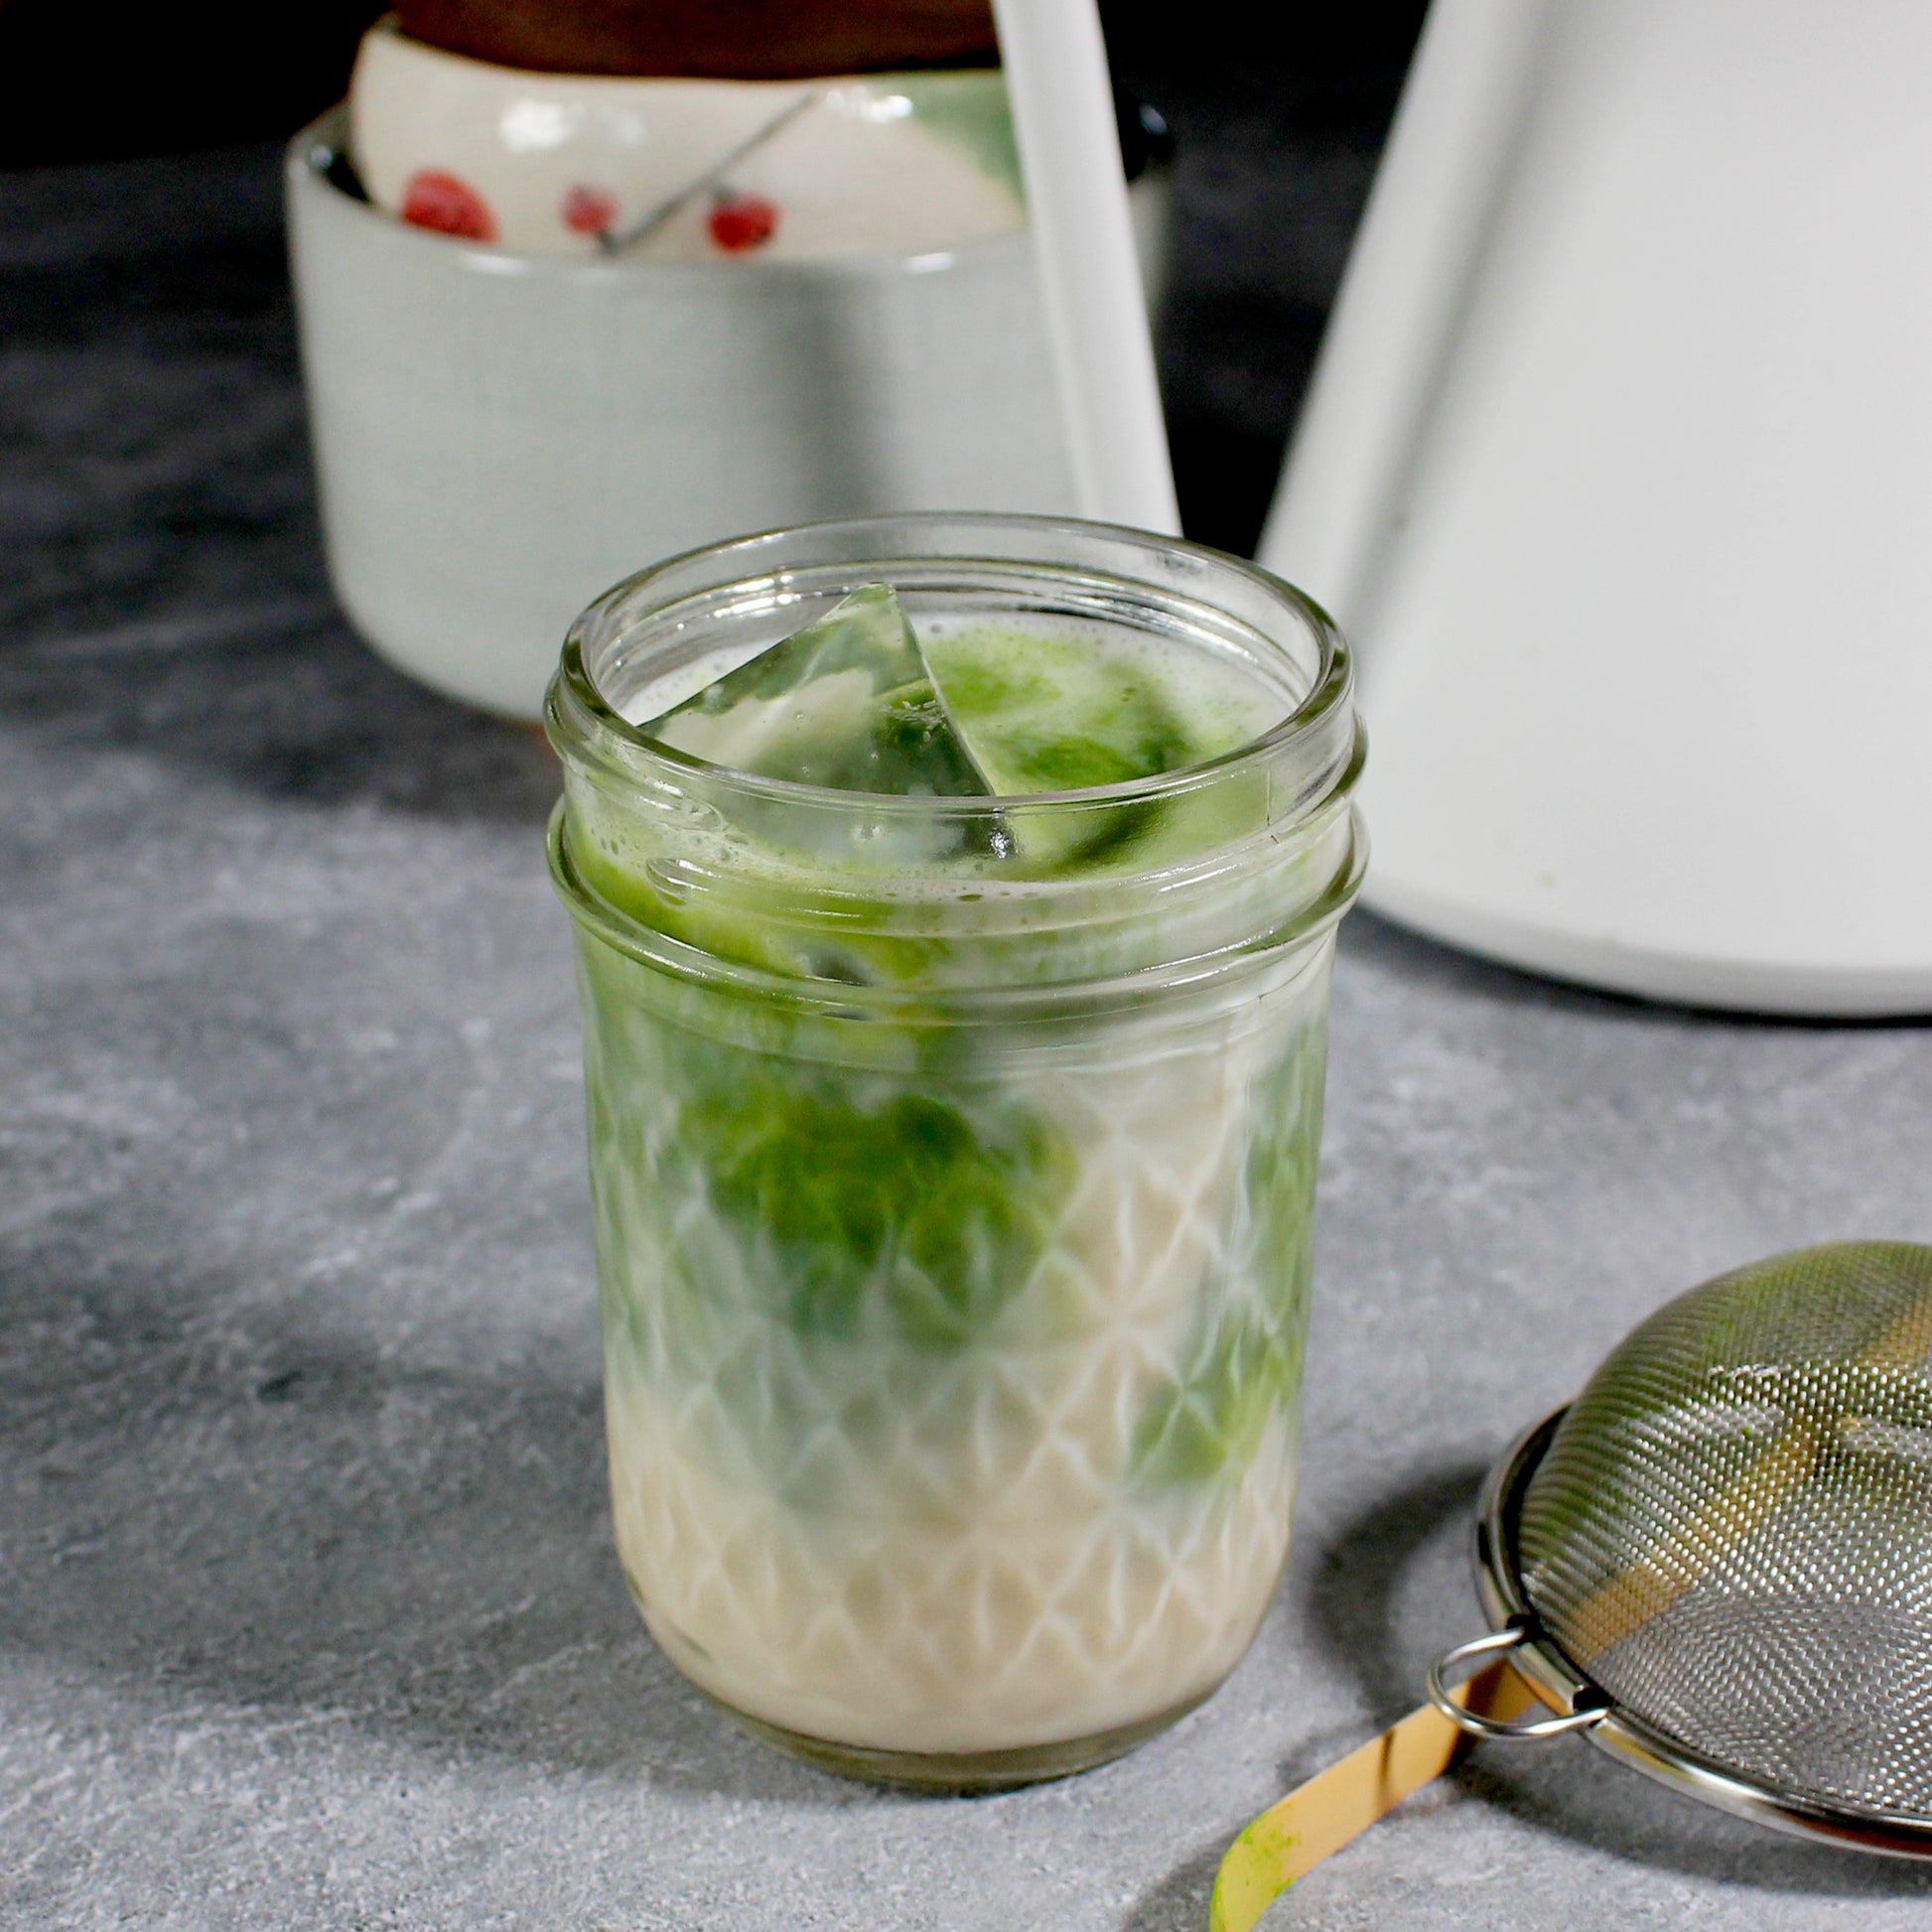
x=955 y=900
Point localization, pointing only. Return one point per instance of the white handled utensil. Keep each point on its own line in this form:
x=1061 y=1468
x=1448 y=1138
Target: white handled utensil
x=1056 y=63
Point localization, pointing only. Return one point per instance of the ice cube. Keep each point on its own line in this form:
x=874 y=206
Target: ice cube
x=846 y=703
x=1040 y=712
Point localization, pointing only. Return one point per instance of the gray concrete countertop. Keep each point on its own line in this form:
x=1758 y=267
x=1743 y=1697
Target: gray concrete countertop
x=309 y=1614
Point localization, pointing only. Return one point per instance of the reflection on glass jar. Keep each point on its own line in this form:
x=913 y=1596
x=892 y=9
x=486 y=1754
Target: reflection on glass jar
x=954 y=1160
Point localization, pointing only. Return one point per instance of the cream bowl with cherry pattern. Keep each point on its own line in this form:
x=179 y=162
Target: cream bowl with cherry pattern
x=682 y=171
x=499 y=434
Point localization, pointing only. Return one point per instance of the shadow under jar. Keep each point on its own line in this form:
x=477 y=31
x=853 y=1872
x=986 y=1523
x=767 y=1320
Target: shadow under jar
x=953 y=1160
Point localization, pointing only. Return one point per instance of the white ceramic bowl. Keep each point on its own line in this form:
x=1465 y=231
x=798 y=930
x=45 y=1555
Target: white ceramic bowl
x=501 y=437
x=543 y=163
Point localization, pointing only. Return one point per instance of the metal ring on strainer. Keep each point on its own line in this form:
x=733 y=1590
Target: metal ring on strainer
x=1611 y=1726
x=1718 y=1559
x=1716 y=1562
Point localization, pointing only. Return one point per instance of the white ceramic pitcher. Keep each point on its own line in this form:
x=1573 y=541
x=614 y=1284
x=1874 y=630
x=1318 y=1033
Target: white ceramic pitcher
x=1618 y=467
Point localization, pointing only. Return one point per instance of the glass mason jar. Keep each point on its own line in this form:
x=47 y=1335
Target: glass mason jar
x=954 y=1161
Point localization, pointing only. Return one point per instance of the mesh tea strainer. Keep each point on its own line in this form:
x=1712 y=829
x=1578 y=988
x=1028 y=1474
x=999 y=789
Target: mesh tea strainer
x=1716 y=1562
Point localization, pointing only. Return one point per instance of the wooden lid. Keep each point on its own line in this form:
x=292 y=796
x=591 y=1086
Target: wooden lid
x=736 y=40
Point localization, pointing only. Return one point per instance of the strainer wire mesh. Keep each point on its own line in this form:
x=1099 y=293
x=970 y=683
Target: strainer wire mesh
x=1731 y=1531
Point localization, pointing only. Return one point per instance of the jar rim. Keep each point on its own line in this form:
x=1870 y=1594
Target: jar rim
x=951 y=1005
x=579 y=716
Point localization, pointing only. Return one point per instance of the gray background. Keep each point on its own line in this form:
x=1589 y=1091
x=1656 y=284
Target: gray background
x=310 y=1616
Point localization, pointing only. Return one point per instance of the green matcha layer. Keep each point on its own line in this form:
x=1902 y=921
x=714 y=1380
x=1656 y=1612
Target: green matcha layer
x=970 y=727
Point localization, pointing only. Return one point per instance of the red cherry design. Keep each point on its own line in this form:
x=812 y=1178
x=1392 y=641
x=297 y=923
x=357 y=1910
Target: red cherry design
x=590 y=211
x=433 y=200
x=742 y=222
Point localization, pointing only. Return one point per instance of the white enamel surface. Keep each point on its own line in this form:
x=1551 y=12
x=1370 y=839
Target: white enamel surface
x=500 y=437
x=857 y=172
x=1618 y=468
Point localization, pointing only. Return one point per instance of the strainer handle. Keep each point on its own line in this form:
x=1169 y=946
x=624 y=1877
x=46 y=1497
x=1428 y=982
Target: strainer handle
x=1452 y=1666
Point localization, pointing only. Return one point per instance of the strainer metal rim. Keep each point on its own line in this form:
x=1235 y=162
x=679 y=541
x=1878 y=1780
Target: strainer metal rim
x=1620 y=1733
